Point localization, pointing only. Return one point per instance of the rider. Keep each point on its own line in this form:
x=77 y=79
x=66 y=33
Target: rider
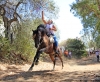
x=50 y=31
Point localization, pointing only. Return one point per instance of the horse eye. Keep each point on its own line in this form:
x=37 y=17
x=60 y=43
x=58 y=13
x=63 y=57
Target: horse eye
x=39 y=33
x=34 y=36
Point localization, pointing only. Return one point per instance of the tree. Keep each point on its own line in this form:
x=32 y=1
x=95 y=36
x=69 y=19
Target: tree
x=89 y=13
x=63 y=43
x=97 y=39
x=21 y=10
x=91 y=44
x=76 y=46
x=20 y=17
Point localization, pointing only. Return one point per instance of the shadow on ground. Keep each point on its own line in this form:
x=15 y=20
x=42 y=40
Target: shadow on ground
x=53 y=76
x=15 y=74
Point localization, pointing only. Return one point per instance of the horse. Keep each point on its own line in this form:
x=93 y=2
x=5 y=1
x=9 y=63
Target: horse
x=43 y=44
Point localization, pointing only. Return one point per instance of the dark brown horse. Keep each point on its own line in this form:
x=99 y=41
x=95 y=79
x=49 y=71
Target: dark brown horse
x=43 y=44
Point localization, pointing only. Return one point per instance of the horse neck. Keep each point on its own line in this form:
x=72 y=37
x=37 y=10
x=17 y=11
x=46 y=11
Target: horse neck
x=46 y=44
x=46 y=38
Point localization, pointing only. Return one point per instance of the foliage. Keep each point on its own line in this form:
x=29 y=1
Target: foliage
x=23 y=42
x=89 y=13
x=63 y=43
x=19 y=11
x=76 y=46
x=91 y=44
x=23 y=45
x=5 y=47
x=97 y=41
x=19 y=18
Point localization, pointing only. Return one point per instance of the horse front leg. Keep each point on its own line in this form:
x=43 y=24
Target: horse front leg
x=32 y=63
x=36 y=58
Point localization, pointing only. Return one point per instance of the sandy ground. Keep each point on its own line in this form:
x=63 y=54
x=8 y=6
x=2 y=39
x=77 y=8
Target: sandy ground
x=84 y=70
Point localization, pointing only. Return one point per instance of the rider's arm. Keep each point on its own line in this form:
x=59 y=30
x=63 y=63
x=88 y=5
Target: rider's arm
x=43 y=18
x=53 y=28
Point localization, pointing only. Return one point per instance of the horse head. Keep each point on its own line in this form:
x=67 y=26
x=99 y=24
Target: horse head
x=38 y=34
x=36 y=37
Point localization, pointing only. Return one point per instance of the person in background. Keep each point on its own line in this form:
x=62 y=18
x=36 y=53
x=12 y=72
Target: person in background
x=70 y=54
x=66 y=53
x=97 y=55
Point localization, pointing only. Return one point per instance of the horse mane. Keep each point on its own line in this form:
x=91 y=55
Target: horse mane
x=42 y=29
x=41 y=26
x=34 y=32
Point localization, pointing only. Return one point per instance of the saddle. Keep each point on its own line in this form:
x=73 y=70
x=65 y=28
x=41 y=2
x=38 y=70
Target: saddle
x=51 y=39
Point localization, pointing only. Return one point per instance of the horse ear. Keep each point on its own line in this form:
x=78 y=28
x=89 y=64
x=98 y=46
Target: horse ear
x=34 y=36
x=32 y=30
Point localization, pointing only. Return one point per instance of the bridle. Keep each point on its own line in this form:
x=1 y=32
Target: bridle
x=40 y=40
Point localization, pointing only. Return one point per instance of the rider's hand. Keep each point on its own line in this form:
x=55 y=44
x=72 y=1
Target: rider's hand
x=42 y=12
x=51 y=28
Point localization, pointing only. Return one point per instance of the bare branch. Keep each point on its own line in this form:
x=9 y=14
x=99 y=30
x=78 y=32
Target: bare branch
x=17 y=5
x=9 y=2
x=98 y=2
x=2 y=10
x=15 y=15
x=12 y=20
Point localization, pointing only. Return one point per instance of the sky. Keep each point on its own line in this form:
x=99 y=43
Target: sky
x=68 y=25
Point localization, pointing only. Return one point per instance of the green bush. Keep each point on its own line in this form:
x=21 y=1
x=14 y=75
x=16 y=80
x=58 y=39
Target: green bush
x=22 y=46
x=24 y=43
x=5 y=47
x=76 y=46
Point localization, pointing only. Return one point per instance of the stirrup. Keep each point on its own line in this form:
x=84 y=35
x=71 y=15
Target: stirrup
x=56 y=52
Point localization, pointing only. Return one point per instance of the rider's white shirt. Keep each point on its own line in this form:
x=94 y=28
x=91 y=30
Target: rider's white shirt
x=48 y=26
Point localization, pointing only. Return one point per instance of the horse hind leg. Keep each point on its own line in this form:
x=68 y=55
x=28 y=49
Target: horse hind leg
x=53 y=60
x=61 y=60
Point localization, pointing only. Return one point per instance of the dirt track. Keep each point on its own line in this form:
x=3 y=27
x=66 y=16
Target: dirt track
x=84 y=70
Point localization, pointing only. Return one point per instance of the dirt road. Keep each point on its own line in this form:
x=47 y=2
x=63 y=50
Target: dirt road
x=84 y=70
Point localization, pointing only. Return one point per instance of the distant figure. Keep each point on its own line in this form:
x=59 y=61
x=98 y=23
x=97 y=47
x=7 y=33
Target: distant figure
x=70 y=54
x=97 y=55
x=89 y=53
x=63 y=49
x=66 y=53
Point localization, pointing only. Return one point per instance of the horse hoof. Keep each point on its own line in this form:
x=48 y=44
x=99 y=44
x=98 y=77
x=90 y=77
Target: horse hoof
x=52 y=70
x=56 y=58
x=30 y=69
x=36 y=63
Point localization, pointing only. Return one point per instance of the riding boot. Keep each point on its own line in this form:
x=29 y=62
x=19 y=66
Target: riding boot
x=56 y=50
